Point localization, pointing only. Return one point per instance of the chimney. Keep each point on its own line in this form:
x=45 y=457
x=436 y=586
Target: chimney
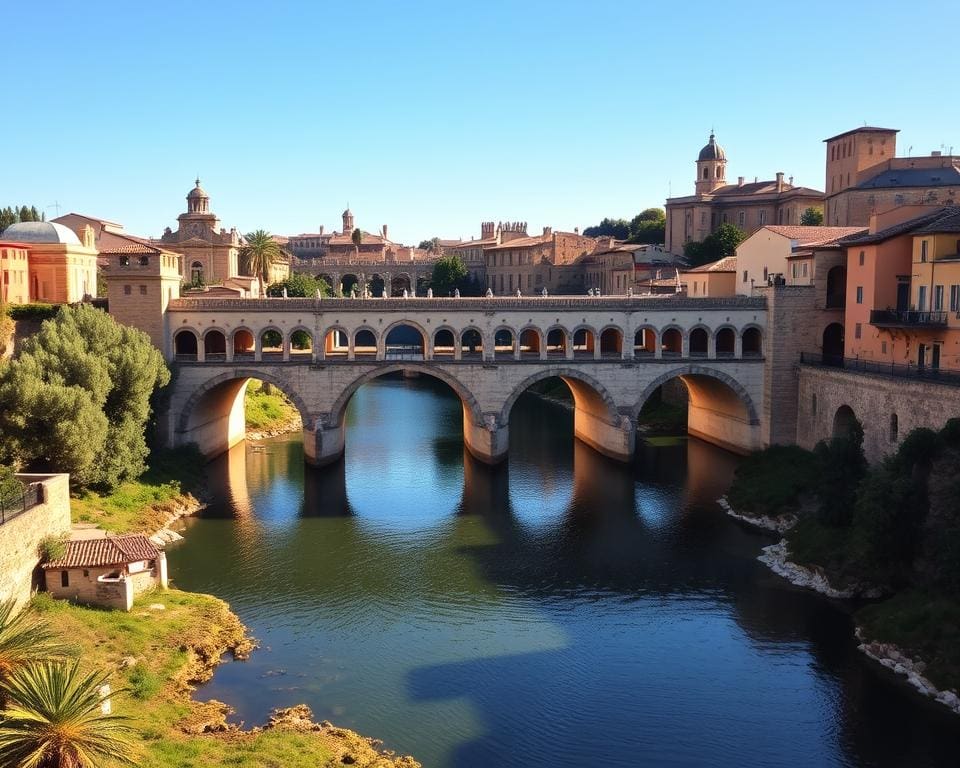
x=576 y=230
x=321 y=230
x=740 y=181
x=755 y=179
x=791 y=181
x=936 y=153
x=385 y=232
x=547 y=231
x=779 y=181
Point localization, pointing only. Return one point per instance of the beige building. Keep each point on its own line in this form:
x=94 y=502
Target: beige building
x=108 y=572
x=765 y=256
x=531 y=263
x=716 y=279
x=747 y=205
x=864 y=176
x=14 y=273
x=62 y=269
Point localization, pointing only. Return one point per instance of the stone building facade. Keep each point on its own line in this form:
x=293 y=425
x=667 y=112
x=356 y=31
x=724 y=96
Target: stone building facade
x=529 y=264
x=62 y=266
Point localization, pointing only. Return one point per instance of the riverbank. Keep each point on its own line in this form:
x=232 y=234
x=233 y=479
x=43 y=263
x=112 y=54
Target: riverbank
x=269 y=413
x=171 y=642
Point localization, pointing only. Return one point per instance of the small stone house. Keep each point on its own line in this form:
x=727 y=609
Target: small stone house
x=108 y=572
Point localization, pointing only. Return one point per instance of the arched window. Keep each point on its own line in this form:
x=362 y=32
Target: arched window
x=185 y=345
x=645 y=342
x=444 y=343
x=611 y=343
x=894 y=427
x=726 y=341
x=271 y=344
x=403 y=342
x=471 y=343
x=752 y=343
x=301 y=343
x=557 y=343
x=243 y=344
x=364 y=344
x=530 y=343
x=196 y=273
x=214 y=346
x=706 y=173
x=503 y=343
x=583 y=342
x=672 y=343
x=698 y=342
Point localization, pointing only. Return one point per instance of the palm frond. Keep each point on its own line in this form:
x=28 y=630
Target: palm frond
x=24 y=638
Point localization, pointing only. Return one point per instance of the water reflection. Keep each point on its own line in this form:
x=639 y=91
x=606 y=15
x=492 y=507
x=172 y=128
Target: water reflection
x=560 y=609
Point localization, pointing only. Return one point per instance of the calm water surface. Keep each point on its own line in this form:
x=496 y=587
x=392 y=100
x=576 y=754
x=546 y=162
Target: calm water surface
x=562 y=610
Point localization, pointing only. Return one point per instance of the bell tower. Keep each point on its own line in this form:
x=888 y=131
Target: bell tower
x=711 y=167
x=348 y=221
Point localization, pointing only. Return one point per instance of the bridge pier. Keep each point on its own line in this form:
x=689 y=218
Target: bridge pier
x=322 y=445
x=489 y=441
x=617 y=441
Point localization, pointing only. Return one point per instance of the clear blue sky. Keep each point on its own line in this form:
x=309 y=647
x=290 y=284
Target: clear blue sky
x=433 y=116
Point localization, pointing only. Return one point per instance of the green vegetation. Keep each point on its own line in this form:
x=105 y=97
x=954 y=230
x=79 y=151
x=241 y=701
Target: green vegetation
x=53 y=547
x=11 y=489
x=268 y=409
x=13 y=215
x=715 y=246
x=258 y=255
x=812 y=217
x=432 y=245
x=36 y=310
x=773 y=481
x=77 y=399
x=7 y=327
x=300 y=285
x=145 y=504
x=449 y=274
x=648 y=226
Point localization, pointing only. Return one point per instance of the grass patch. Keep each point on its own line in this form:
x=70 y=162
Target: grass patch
x=143 y=505
x=266 y=411
x=662 y=417
x=811 y=543
x=773 y=481
x=922 y=625
x=172 y=647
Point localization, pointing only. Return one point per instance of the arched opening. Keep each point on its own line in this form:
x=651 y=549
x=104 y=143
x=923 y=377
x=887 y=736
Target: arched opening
x=894 y=428
x=836 y=287
x=271 y=344
x=503 y=344
x=471 y=344
x=557 y=343
x=377 y=286
x=348 y=283
x=196 y=273
x=844 y=421
x=243 y=345
x=364 y=343
x=706 y=173
x=423 y=283
x=328 y=279
x=399 y=284
x=404 y=342
x=185 y=345
x=726 y=342
x=709 y=405
x=530 y=343
x=698 y=342
x=214 y=346
x=444 y=343
x=611 y=343
x=752 y=343
x=833 y=344
x=645 y=343
x=301 y=344
x=583 y=342
x=336 y=343
x=672 y=343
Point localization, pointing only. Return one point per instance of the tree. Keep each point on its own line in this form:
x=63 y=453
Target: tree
x=449 y=273
x=357 y=238
x=717 y=245
x=259 y=254
x=649 y=226
x=432 y=245
x=812 y=217
x=616 y=228
x=841 y=466
x=55 y=720
x=11 y=489
x=24 y=639
x=300 y=285
x=78 y=398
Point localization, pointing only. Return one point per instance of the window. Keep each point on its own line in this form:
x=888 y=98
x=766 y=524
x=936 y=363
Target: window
x=805 y=268
x=126 y=290
x=64 y=578
x=883 y=347
x=744 y=275
x=723 y=218
x=955 y=298
x=144 y=261
x=858 y=329
x=764 y=273
x=922 y=298
x=742 y=218
x=938 y=299
x=795 y=267
x=762 y=217
x=143 y=290
x=859 y=294
x=861 y=258
x=923 y=250
x=894 y=427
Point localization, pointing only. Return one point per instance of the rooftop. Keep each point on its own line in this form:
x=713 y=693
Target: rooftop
x=949 y=175
x=864 y=129
x=726 y=264
x=809 y=236
x=40 y=232
x=112 y=550
x=924 y=221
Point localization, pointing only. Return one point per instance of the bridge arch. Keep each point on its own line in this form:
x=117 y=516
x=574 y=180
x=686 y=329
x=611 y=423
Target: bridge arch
x=398 y=326
x=720 y=409
x=242 y=342
x=530 y=341
x=611 y=338
x=186 y=343
x=444 y=339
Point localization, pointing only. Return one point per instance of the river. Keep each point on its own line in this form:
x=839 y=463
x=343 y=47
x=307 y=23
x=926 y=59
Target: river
x=559 y=610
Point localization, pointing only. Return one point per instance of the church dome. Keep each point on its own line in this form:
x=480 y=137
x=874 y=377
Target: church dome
x=196 y=192
x=712 y=151
x=40 y=232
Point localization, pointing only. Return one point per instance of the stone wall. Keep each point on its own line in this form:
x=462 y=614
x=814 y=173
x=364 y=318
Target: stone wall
x=20 y=536
x=874 y=399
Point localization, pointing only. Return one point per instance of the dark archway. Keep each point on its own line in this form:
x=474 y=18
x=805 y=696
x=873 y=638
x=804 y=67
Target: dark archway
x=399 y=284
x=336 y=343
x=726 y=342
x=185 y=345
x=301 y=344
x=530 y=343
x=404 y=342
x=364 y=343
x=271 y=344
x=672 y=342
x=243 y=345
x=557 y=343
x=444 y=343
x=645 y=343
x=583 y=342
x=843 y=421
x=347 y=283
x=471 y=344
x=699 y=341
x=503 y=343
x=836 y=287
x=611 y=343
x=377 y=286
x=752 y=343
x=833 y=344
x=214 y=346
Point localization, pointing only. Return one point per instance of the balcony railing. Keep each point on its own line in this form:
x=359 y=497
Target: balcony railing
x=11 y=506
x=926 y=373
x=907 y=318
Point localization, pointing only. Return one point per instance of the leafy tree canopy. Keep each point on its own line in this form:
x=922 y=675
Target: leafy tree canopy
x=15 y=214
x=648 y=226
x=812 y=217
x=300 y=284
x=717 y=245
x=77 y=399
x=449 y=273
x=432 y=245
x=618 y=228
x=357 y=237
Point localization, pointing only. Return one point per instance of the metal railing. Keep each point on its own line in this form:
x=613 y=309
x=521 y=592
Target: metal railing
x=925 y=373
x=11 y=506
x=906 y=317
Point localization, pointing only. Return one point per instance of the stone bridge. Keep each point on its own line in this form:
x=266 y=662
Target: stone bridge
x=612 y=352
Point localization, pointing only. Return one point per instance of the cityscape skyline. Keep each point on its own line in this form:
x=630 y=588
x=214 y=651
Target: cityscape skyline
x=435 y=120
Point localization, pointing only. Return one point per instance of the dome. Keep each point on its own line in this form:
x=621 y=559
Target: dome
x=40 y=232
x=197 y=191
x=712 y=151
x=347 y=212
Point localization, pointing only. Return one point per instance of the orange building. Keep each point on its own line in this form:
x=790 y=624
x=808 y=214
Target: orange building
x=718 y=278
x=903 y=289
x=61 y=268
x=14 y=273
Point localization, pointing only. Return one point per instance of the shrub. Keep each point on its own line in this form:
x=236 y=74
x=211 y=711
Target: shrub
x=841 y=465
x=143 y=683
x=11 y=489
x=772 y=481
x=52 y=548
x=34 y=311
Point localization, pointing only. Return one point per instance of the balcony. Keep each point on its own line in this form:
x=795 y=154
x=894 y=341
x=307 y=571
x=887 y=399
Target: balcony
x=891 y=318
x=926 y=373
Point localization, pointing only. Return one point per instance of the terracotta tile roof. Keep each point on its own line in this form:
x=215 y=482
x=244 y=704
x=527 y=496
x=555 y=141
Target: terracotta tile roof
x=114 y=242
x=481 y=242
x=112 y=550
x=763 y=188
x=808 y=236
x=523 y=242
x=902 y=228
x=726 y=264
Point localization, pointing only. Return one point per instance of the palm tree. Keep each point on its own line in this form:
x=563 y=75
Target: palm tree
x=259 y=253
x=55 y=720
x=24 y=639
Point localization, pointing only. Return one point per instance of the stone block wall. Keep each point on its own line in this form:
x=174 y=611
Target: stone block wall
x=874 y=400
x=20 y=536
